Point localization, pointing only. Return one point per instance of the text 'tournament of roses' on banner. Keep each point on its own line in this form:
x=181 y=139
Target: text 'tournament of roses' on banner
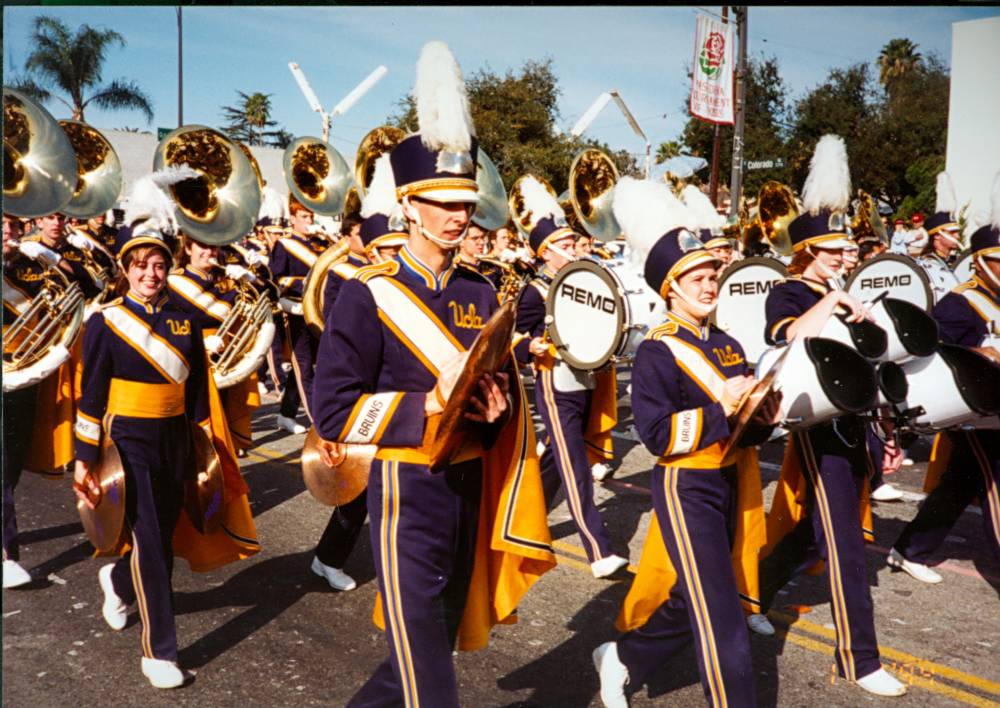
x=712 y=76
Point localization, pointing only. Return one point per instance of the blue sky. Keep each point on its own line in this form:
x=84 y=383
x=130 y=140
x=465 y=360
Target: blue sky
x=641 y=51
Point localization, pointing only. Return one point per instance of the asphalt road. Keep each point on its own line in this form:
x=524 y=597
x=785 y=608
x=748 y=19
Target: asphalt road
x=267 y=632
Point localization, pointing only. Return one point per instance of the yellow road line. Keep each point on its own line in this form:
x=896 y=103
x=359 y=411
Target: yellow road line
x=796 y=624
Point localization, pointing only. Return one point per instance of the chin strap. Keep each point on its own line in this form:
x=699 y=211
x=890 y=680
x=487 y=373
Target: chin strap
x=568 y=256
x=987 y=271
x=443 y=243
x=829 y=274
x=699 y=308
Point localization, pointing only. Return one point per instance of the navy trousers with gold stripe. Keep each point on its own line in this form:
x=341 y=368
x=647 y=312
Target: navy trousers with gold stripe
x=18 y=418
x=342 y=531
x=696 y=509
x=154 y=453
x=973 y=471
x=565 y=461
x=303 y=347
x=835 y=468
x=423 y=531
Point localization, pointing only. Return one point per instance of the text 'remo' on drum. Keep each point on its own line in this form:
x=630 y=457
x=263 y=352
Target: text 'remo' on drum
x=743 y=290
x=899 y=275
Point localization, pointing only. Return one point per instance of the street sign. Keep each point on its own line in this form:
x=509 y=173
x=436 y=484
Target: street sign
x=771 y=164
x=161 y=133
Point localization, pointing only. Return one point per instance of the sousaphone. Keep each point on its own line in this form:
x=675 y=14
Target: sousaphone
x=776 y=209
x=98 y=171
x=592 y=179
x=491 y=210
x=317 y=175
x=220 y=205
x=376 y=143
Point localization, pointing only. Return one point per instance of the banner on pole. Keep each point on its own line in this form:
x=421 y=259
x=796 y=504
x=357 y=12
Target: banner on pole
x=712 y=75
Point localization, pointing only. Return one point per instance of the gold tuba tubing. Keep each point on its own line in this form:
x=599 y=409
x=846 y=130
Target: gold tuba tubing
x=315 y=284
x=776 y=209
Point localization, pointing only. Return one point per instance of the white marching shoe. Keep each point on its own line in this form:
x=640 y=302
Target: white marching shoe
x=613 y=674
x=162 y=673
x=114 y=610
x=600 y=471
x=886 y=492
x=338 y=579
x=608 y=566
x=14 y=574
x=290 y=424
x=760 y=624
x=916 y=570
x=881 y=683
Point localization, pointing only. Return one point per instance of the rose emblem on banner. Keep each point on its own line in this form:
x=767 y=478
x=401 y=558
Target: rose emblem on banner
x=712 y=55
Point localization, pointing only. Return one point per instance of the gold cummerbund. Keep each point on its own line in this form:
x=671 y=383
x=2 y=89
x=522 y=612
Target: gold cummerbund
x=709 y=458
x=137 y=399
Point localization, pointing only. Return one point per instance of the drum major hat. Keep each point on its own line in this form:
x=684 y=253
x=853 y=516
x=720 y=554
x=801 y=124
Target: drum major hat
x=383 y=223
x=149 y=212
x=985 y=241
x=438 y=162
x=943 y=218
x=825 y=197
x=273 y=209
x=655 y=224
x=544 y=214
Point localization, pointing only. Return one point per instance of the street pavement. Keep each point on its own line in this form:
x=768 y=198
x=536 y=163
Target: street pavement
x=266 y=632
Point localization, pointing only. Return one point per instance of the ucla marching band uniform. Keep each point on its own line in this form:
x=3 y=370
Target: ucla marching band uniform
x=965 y=464
x=397 y=325
x=565 y=397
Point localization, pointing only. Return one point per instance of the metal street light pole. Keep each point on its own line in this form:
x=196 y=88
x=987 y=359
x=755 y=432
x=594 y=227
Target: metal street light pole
x=713 y=183
x=736 y=183
x=180 y=68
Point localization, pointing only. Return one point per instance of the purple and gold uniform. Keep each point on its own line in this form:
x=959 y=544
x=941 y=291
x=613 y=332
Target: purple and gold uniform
x=835 y=463
x=971 y=468
x=144 y=379
x=339 y=273
x=564 y=398
x=74 y=258
x=197 y=293
x=290 y=261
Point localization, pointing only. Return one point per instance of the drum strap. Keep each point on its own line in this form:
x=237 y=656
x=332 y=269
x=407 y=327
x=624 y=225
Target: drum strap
x=415 y=325
x=541 y=286
x=983 y=305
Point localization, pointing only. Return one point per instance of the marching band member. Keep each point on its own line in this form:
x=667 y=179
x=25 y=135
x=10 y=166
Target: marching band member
x=290 y=260
x=688 y=378
x=964 y=464
x=350 y=229
x=567 y=399
x=51 y=233
x=833 y=457
x=943 y=240
x=381 y=237
x=387 y=366
x=583 y=245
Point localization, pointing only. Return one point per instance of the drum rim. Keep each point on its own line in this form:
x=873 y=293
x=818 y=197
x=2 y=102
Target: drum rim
x=810 y=347
x=727 y=273
x=948 y=351
x=922 y=274
x=609 y=276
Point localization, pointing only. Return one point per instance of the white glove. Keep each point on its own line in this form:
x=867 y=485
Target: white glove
x=78 y=240
x=290 y=306
x=254 y=257
x=238 y=272
x=40 y=253
x=213 y=344
x=508 y=256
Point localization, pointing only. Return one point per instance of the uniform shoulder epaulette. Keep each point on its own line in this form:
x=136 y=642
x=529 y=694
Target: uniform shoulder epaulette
x=33 y=237
x=666 y=329
x=112 y=303
x=374 y=270
x=962 y=287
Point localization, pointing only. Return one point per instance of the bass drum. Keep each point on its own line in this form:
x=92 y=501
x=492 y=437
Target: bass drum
x=598 y=313
x=962 y=268
x=743 y=290
x=901 y=276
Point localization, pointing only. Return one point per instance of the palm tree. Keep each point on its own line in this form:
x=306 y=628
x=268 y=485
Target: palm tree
x=72 y=63
x=898 y=58
x=249 y=118
x=668 y=149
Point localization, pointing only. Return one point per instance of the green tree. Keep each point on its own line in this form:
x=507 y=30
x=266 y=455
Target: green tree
x=667 y=150
x=516 y=118
x=72 y=63
x=250 y=121
x=764 y=129
x=898 y=58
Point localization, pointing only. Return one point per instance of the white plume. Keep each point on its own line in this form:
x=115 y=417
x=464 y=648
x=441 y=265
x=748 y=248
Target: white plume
x=442 y=104
x=945 y=194
x=701 y=209
x=646 y=210
x=828 y=185
x=381 y=196
x=538 y=201
x=174 y=174
x=995 y=203
x=147 y=199
x=272 y=205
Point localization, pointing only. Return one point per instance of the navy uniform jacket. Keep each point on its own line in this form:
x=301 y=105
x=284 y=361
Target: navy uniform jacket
x=531 y=315
x=155 y=344
x=196 y=293
x=959 y=320
x=371 y=378
x=788 y=300
x=105 y=235
x=676 y=386
x=338 y=274
x=74 y=257
x=22 y=279
x=291 y=259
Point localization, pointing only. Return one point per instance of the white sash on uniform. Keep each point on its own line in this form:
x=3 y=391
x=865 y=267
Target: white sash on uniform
x=159 y=352
x=693 y=361
x=203 y=299
x=299 y=250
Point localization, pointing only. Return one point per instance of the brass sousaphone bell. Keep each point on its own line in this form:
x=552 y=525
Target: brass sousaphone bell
x=98 y=171
x=515 y=202
x=376 y=143
x=39 y=167
x=866 y=225
x=317 y=175
x=220 y=205
x=491 y=210
x=592 y=180
x=776 y=209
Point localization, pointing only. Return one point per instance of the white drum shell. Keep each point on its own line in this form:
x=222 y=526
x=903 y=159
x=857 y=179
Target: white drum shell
x=803 y=401
x=899 y=275
x=932 y=386
x=743 y=291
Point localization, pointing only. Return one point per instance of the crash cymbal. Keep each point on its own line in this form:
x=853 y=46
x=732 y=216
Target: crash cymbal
x=203 y=487
x=486 y=355
x=103 y=524
x=345 y=480
x=751 y=404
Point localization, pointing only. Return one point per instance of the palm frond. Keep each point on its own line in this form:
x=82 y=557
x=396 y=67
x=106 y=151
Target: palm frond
x=31 y=88
x=120 y=94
